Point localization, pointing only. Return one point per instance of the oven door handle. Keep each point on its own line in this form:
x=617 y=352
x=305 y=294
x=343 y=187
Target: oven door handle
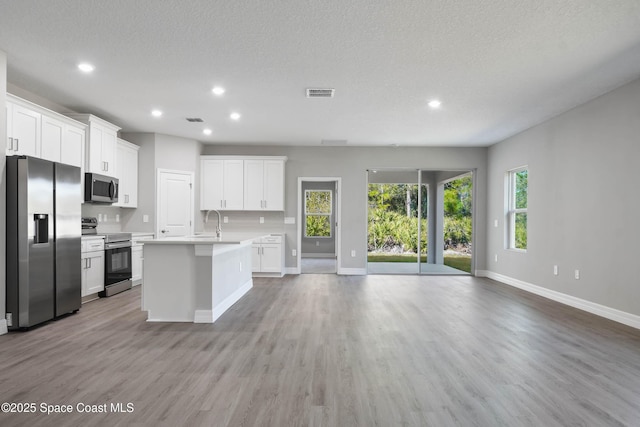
x=117 y=245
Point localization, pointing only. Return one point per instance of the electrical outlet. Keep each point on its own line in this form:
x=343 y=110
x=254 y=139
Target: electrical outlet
x=495 y=223
x=117 y=217
x=495 y=257
x=294 y=252
x=225 y=219
x=317 y=243
x=555 y=270
x=353 y=253
x=9 y=317
x=577 y=274
x=99 y=217
x=104 y=217
x=240 y=269
x=145 y=218
x=261 y=220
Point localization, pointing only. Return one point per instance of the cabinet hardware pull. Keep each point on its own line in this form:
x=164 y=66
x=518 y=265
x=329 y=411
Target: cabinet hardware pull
x=17 y=144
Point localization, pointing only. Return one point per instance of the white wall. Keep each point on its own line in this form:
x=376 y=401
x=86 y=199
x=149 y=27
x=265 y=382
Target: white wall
x=351 y=164
x=583 y=202
x=3 y=189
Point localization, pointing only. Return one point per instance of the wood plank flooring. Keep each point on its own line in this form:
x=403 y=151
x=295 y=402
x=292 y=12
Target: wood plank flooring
x=322 y=350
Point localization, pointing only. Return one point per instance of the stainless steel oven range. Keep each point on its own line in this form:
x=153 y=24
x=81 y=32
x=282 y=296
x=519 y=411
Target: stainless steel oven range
x=117 y=258
x=117 y=263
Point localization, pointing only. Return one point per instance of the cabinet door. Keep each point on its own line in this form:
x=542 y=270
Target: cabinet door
x=94 y=149
x=136 y=264
x=274 y=185
x=52 y=136
x=132 y=168
x=271 y=261
x=9 y=110
x=95 y=272
x=253 y=185
x=127 y=173
x=72 y=150
x=255 y=258
x=25 y=131
x=109 y=151
x=233 y=184
x=211 y=184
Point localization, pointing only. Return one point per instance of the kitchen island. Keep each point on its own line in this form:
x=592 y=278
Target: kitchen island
x=195 y=279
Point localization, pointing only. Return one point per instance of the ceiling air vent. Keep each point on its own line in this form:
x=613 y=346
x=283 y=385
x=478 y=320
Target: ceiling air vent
x=320 y=93
x=334 y=142
x=194 y=119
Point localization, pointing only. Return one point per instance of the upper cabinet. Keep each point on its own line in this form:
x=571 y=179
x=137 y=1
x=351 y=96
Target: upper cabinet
x=23 y=128
x=264 y=185
x=101 y=144
x=63 y=141
x=36 y=131
x=221 y=181
x=127 y=174
x=242 y=183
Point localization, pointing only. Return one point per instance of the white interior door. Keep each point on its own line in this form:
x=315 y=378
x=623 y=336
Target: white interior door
x=174 y=203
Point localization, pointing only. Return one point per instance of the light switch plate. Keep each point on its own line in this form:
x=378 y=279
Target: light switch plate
x=289 y=220
x=145 y=218
x=225 y=219
x=261 y=220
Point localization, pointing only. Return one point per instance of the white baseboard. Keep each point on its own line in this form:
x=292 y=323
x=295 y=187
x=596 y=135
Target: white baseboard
x=203 y=316
x=352 y=271
x=219 y=309
x=591 y=307
x=291 y=270
x=3 y=327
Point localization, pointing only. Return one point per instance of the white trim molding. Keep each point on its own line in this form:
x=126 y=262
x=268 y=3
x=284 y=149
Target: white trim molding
x=3 y=327
x=579 y=303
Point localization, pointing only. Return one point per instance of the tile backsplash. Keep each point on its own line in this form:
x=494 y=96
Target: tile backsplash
x=109 y=217
x=245 y=221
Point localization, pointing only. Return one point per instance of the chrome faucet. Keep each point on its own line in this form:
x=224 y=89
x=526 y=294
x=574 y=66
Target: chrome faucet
x=219 y=226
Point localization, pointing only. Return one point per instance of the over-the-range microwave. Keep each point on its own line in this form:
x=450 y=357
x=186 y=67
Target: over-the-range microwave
x=100 y=188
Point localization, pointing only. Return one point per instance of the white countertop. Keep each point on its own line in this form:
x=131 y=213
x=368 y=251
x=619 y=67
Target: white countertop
x=233 y=238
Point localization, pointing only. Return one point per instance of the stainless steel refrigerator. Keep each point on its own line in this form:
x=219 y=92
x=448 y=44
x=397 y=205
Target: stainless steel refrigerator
x=43 y=240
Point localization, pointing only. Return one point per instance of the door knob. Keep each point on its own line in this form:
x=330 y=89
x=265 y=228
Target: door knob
x=163 y=231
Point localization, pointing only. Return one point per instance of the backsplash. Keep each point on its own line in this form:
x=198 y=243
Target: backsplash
x=108 y=217
x=241 y=221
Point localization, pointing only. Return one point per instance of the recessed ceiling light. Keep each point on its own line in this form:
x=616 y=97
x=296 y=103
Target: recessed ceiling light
x=217 y=90
x=86 y=67
x=235 y=116
x=435 y=103
x=156 y=113
x=207 y=131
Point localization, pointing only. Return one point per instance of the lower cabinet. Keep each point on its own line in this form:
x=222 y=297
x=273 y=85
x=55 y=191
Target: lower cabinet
x=92 y=273
x=268 y=256
x=92 y=265
x=136 y=264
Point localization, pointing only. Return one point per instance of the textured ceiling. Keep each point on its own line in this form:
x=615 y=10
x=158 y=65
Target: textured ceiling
x=498 y=66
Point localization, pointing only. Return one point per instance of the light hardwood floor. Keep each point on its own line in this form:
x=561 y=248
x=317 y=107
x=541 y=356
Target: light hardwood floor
x=324 y=350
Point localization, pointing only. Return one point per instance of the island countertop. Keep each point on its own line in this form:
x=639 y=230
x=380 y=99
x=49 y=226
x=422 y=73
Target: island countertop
x=232 y=238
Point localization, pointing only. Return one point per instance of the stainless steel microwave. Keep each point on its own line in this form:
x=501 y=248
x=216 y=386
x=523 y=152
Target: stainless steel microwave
x=100 y=188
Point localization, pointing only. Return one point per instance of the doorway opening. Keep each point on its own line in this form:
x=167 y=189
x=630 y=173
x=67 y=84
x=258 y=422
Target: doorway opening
x=420 y=222
x=319 y=225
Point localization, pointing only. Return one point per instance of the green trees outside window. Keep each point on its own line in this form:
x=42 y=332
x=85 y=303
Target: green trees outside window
x=317 y=209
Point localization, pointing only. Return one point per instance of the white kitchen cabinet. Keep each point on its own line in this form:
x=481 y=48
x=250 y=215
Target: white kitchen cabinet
x=136 y=264
x=268 y=256
x=137 y=256
x=62 y=140
x=92 y=266
x=221 y=183
x=127 y=173
x=264 y=185
x=23 y=130
x=242 y=183
x=101 y=144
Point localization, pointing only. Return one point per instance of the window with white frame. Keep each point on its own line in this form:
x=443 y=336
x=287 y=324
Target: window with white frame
x=318 y=208
x=518 y=183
